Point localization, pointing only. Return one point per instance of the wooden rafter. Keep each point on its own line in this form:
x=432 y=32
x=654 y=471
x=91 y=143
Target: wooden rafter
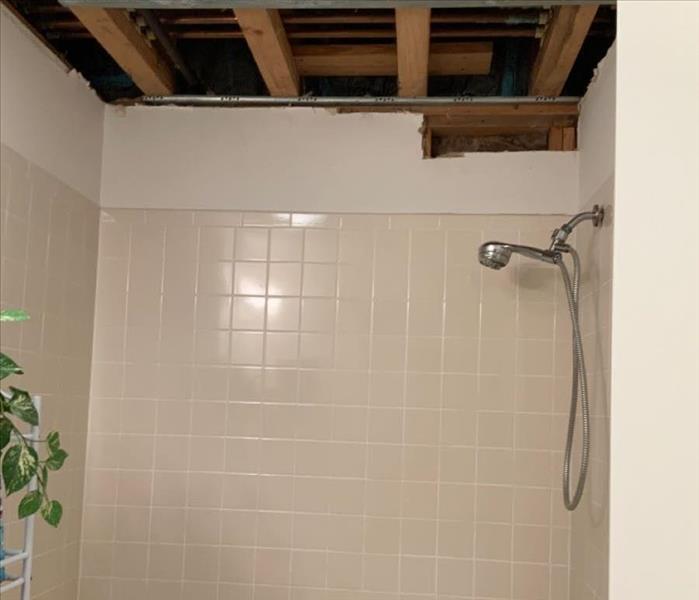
x=459 y=58
x=122 y=39
x=264 y=32
x=560 y=46
x=413 y=49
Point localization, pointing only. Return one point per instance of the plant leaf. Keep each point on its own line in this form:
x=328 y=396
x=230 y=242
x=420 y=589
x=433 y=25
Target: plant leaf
x=30 y=504
x=56 y=459
x=13 y=315
x=18 y=467
x=5 y=432
x=8 y=366
x=22 y=406
x=52 y=513
x=53 y=440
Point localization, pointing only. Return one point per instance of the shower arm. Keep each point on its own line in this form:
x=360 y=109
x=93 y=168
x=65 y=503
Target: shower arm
x=560 y=235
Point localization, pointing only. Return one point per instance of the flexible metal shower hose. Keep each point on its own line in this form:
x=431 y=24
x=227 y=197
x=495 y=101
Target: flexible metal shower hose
x=579 y=384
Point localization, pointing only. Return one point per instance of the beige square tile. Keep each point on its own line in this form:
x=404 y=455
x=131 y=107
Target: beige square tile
x=457 y=464
x=345 y=533
x=494 y=503
x=456 y=501
x=495 y=430
x=215 y=278
x=251 y=244
x=530 y=582
x=203 y=526
x=318 y=315
x=419 y=500
x=246 y=348
x=354 y=281
x=283 y=314
x=383 y=498
x=284 y=279
x=422 y=426
x=531 y=544
x=165 y=562
x=493 y=541
x=384 y=461
x=236 y=565
x=388 y=353
x=421 y=463
x=286 y=244
x=250 y=278
x=417 y=574
x=382 y=536
x=454 y=576
x=349 y=423
x=321 y=245
x=344 y=571
x=385 y=425
x=215 y=243
x=319 y=280
x=381 y=573
x=493 y=579
x=249 y=312
x=418 y=537
x=345 y=496
x=532 y=506
x=201 y=563
x=274 y=529
x=308 y=568
x=424 y=354
x=456 y=538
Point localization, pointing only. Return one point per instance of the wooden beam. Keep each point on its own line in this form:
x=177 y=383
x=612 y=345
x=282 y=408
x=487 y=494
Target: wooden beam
x=264 y=32
x=413 y=48
x=560 y=46
x=463 y=58
x=122 y=39
x=562 y=138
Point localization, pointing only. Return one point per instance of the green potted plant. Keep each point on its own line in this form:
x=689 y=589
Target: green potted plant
x=19 y=459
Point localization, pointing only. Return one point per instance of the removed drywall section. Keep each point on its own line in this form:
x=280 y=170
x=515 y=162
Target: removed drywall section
x=49 y=116
x=299 y=159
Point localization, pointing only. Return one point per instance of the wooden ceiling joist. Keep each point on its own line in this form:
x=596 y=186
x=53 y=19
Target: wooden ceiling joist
x=462 y=58
x=122 y=39
x=413 y=49
x=264 y=32
x=560 y=46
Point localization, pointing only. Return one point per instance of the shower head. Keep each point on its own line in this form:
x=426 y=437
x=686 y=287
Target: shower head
x=496 y=255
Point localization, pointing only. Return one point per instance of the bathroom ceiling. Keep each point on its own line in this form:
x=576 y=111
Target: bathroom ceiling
x=479 y=50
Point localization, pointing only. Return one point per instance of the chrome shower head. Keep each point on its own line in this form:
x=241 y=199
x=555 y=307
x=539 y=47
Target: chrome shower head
x=496 y=255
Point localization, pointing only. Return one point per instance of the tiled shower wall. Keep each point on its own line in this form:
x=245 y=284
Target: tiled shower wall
x=324 y=407
x=48 y=246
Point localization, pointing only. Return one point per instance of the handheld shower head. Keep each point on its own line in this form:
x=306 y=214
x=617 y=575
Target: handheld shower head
x=496 y=255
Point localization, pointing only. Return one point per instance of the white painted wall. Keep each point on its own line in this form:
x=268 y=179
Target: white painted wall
x=654 y=533
x=313 y=160
x=596 y=129
x=48 y=116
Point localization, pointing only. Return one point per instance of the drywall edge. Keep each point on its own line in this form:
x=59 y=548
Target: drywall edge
x=49 y=116
x=654 y=493
x=301 y=159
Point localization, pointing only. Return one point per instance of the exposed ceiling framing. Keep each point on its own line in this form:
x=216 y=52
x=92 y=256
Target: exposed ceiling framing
x=560 y=47
x=121 y=38
x=399 y=48
x=413 y=50
x=264 y=32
